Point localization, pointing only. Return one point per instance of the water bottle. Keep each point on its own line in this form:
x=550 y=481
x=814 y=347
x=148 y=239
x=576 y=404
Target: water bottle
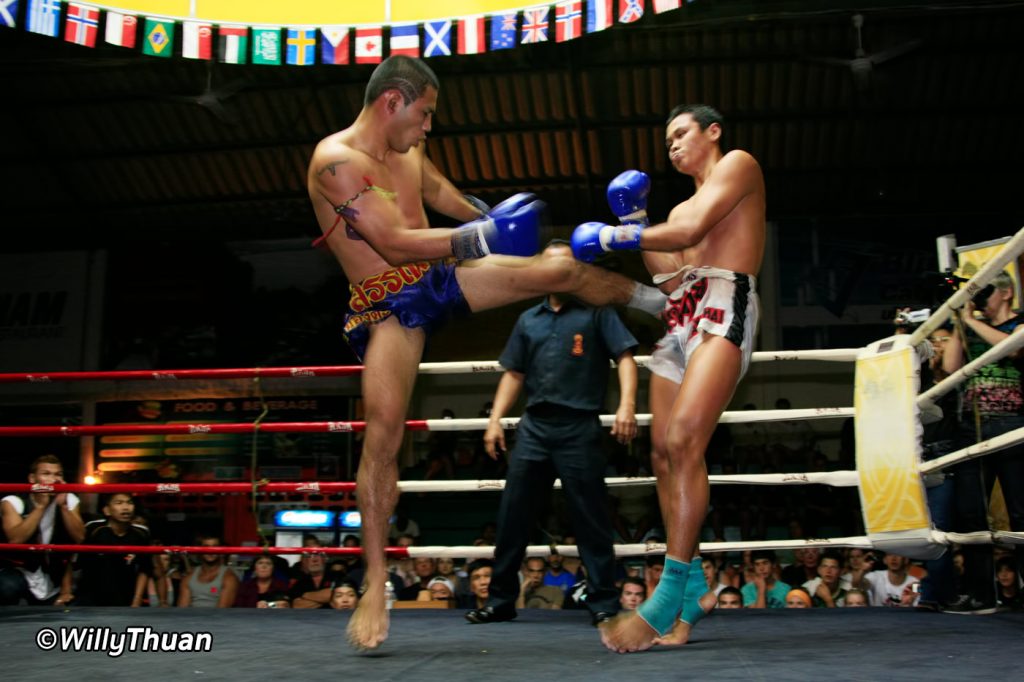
x=389 y=594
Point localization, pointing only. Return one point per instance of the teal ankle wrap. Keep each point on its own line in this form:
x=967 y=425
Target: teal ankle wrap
x=696 y=587
x=661 y=609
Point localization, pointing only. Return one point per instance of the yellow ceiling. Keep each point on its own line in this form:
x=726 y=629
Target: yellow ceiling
x=314 y=12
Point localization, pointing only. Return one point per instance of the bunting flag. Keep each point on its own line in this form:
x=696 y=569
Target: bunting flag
x=503 y=31
x=405 y=40
x=369 y=45
x=121 y=29
x=82 y=25
x=568 y=20
x=266 y=46
x=197 y=40
x=9 y=13
x=535 y=25
x=44 y=17
x=630 y=10
x=159 y=37
x=599 y=15
x=334 y=45
x=471 y=35
x=300 y=47
x=233 y=44
x=439 y=38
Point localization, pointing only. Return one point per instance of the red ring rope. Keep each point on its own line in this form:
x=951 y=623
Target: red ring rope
x=182 y=488
x=165 y=429
x=181 y=374
x=394 y=552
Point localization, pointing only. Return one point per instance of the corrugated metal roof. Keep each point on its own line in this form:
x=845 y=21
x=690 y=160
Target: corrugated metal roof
x=103 y=144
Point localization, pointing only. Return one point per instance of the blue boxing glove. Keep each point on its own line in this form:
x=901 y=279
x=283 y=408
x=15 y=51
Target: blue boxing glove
x=627 y=197
x=512 y=204
x=590 y=240
x=512 y=228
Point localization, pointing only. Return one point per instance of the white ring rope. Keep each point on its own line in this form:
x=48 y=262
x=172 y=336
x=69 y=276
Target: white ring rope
x=638 y=549
x=1008 y=253
x=736 y=417
x=978 y=537
x=839 y=479
x=1000 y=442
x=479 y=366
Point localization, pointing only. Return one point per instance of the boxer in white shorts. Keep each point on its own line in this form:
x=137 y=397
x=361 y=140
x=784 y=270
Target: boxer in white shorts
x=712 y=300
x=706 y=240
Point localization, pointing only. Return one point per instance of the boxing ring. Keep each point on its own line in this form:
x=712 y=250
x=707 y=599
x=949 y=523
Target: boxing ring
x=437 y=643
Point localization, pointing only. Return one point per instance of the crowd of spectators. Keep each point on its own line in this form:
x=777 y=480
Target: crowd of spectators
x=755 y=579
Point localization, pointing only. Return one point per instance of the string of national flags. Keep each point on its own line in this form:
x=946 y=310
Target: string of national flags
x=82 y=24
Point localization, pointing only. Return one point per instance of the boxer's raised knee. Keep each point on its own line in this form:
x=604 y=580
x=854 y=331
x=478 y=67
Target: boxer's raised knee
x=561 y=272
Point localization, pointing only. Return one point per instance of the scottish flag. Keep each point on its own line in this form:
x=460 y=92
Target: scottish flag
x=439 y=38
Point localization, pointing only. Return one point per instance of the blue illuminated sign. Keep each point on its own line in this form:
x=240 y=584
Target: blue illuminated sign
x=350 y=519
x=304 y=518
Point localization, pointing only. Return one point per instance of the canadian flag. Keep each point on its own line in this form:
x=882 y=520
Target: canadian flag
x=121 y=29
x=471 y=35
x=369 y=45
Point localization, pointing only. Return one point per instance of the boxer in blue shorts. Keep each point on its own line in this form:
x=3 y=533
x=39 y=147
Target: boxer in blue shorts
x=418 y=295
x=374 y=176
x=706 y=241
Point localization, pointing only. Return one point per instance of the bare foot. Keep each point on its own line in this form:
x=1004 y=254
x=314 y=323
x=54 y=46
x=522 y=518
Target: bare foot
x=627 y=632
x=368 y=627
x=680 y=634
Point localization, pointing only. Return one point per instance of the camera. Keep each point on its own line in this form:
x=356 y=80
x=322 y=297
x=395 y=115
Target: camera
x=980 y=299
x=908 y=320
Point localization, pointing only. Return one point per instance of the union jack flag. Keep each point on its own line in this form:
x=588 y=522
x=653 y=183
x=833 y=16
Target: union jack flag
x=568 y=20
x=630 y=10
x=535 y=25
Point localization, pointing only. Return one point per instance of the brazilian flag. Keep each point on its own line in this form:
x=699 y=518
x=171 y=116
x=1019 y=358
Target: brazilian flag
x=159 y=38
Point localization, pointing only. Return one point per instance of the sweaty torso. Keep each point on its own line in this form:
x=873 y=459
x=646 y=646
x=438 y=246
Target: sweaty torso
x=736 y=242
x=397 y=180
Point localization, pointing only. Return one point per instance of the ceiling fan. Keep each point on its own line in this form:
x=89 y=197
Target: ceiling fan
x=862 y=64
x=212 y=99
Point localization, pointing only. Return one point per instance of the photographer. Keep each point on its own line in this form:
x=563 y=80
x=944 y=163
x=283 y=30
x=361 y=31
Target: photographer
x=992 y=404
x=938 y=587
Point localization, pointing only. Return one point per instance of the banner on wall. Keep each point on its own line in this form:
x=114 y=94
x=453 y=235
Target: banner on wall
x=212 y=457
x=971 y=258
